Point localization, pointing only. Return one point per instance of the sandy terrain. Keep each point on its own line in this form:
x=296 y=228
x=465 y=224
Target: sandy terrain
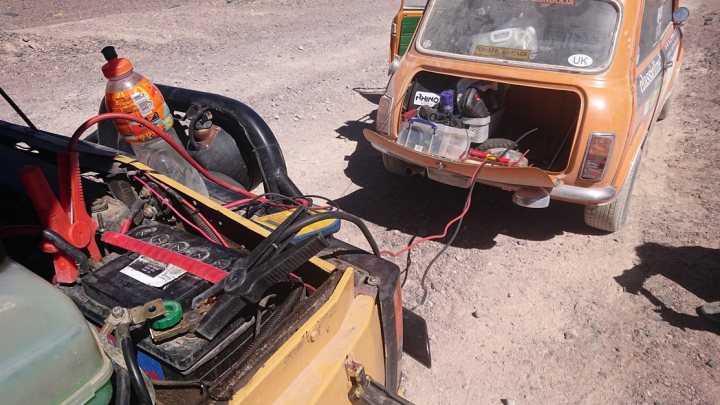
x=526 y=306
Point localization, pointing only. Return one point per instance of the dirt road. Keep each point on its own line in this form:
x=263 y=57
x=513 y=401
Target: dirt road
x=527 y=306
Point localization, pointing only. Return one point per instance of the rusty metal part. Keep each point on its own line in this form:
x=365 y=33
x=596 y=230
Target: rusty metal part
x=205 y=137
x=134 y=316
x=366 y=391
x=149 y=311
x=189 y=320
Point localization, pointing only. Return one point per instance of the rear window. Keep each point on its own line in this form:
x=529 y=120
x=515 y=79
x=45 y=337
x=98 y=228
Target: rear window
x=577 y=34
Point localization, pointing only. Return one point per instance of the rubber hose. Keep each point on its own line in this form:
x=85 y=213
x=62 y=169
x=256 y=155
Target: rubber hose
x=123 y=389
x=334 y=215
x=136 y=378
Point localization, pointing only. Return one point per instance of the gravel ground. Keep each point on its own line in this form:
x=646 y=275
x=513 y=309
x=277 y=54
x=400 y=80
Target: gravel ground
x=526 y=306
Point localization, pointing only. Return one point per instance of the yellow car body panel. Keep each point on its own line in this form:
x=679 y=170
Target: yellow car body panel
x=309 y=367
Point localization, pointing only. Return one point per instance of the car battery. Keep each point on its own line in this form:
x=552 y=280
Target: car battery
x=131 y=280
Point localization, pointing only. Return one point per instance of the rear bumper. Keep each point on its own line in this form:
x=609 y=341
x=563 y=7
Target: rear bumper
x=458 y=174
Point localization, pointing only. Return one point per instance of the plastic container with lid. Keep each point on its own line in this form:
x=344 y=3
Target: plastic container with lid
x=48 y=352
x=417 y=134
x=450 y=142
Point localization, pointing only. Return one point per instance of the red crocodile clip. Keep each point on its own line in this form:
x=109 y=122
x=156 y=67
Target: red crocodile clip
x=67 y=217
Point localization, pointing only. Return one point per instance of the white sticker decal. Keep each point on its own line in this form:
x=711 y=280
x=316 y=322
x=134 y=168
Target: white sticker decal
x=151 y=272
x=580 y=60
x=426 y=98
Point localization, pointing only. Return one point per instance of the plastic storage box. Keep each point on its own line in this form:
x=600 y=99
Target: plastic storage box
x=450 y=142
x=417 y=134
x=435 y=139
x=48 y=353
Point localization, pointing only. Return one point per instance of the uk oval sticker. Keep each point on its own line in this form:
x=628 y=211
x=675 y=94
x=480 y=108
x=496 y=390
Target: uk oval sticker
x=580 y=60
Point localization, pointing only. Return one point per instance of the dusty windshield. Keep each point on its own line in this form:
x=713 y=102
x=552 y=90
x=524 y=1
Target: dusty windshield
x=571 y=33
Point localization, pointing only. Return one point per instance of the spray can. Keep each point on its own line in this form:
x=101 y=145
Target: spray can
x=130 y=92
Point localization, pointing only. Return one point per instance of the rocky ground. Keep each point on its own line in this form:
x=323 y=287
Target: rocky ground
x=525 y=306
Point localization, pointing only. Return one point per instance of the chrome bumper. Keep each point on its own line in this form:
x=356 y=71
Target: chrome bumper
x=583 y=195
x=562 y=192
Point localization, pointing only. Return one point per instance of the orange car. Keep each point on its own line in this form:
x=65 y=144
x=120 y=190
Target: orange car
x=555 y=97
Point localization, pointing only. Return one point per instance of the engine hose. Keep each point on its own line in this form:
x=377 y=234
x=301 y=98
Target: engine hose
x=334 y=215
x=80 y=259
x=281 y=313
x=122 y=387
x=136 y=375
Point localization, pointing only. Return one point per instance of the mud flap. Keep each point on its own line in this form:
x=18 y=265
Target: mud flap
x=416 y=342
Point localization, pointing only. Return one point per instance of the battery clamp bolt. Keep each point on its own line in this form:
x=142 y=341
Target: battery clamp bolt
x=117 y=312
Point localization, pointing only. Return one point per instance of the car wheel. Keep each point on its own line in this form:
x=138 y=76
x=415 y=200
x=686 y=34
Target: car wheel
x=399 y=166
x=667 y=107
x=611 y=217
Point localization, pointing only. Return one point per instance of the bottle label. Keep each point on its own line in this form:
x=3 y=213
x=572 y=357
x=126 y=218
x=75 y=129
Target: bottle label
x=143 y=100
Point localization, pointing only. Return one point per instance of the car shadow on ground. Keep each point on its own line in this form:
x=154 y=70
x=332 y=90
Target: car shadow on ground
x=418 y=206
x=694 y=268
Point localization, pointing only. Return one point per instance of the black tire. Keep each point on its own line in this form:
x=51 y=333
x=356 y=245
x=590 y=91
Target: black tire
x=494 y=143
x=611 y=217
x=667 y=108
x=399 y=167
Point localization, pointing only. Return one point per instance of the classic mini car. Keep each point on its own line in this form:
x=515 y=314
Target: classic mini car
x=121 y=285
x=552 y=100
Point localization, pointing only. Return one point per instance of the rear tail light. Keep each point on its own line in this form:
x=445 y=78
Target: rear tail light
x=597 y=155
x=382 y=121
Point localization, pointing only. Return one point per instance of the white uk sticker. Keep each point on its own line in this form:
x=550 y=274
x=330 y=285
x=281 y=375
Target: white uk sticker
x=580 y=60
x=152 y=272
x=426 y=98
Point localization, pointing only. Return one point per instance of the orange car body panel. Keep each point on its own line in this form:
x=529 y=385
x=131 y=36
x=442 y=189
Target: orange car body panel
x=609 y=103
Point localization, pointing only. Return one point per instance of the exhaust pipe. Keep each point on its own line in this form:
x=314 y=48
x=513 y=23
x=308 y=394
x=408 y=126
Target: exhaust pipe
x=531 y=197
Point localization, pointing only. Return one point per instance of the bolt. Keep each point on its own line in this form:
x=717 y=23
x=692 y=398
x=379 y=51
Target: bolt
x=373 y=280
x=117 y=312
x=149 y=211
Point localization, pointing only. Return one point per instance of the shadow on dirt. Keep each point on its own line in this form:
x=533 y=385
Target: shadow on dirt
x=694 y=268
x=418 y=206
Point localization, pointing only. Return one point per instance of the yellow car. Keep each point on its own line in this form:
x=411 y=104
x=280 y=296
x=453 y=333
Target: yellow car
x=120 y=284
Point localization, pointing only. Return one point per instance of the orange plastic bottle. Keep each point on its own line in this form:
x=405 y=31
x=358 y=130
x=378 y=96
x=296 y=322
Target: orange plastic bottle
x=132 y=93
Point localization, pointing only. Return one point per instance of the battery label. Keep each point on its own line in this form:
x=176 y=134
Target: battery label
x=152 y=272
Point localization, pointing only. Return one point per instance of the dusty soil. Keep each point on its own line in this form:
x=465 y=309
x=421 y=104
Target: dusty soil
x=525 y=306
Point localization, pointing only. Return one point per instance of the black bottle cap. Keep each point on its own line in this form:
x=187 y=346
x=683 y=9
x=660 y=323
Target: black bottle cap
x=109 y=53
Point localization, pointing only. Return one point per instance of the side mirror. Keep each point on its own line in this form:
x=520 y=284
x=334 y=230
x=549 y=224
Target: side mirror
x=394 y=65
x=680 y=16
